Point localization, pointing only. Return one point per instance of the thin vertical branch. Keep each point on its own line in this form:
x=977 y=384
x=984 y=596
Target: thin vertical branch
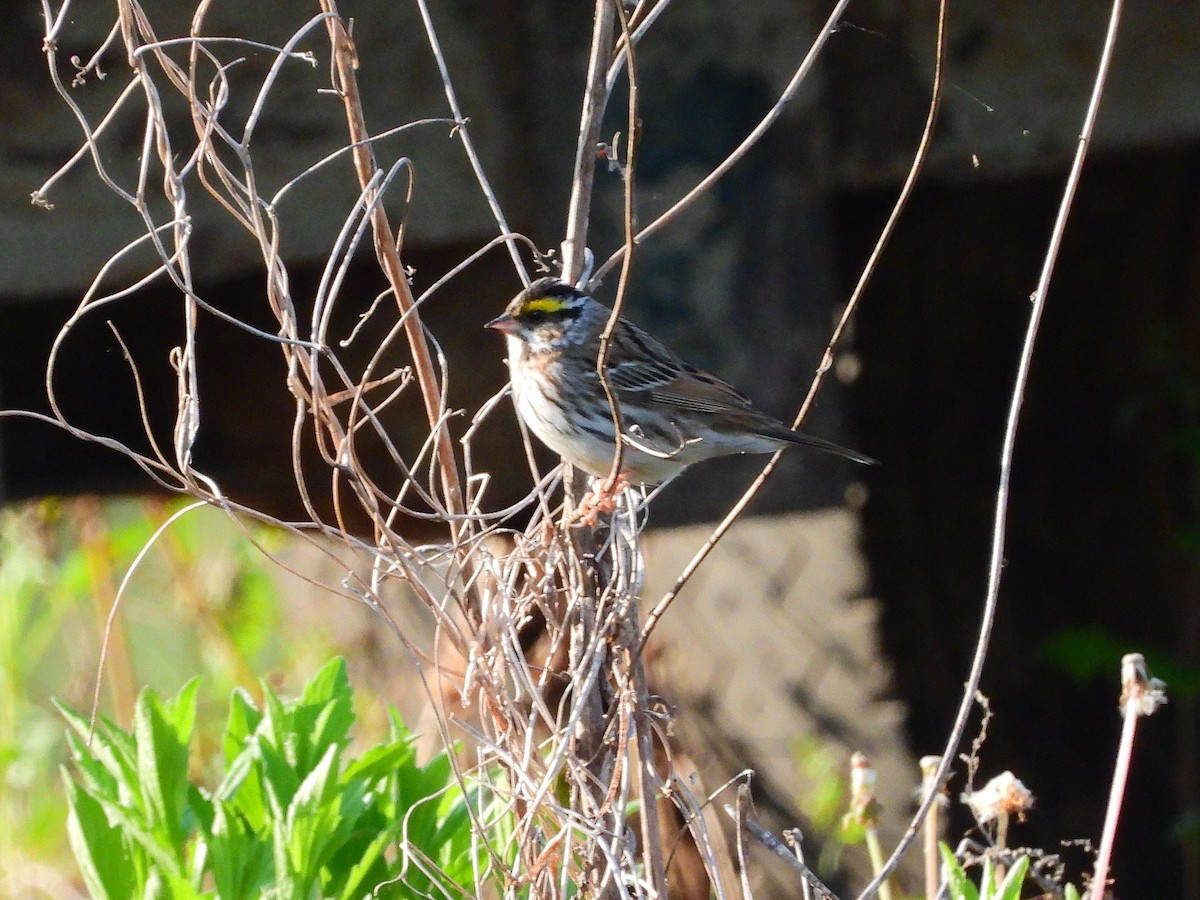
x=932 y=858
x=739 y=814
x=461 y=123
x=906 y=190
x=389 y=257
x=999 y=531
x=648 y=782
x=744 y=147
x=1141 y=695
x=614 y=317
x=631 y=39
x=574 y=246
x=864 y=812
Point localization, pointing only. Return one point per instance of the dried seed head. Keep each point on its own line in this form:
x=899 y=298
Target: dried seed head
x=1139 y=692
x=1003 y=796
x=864 y=808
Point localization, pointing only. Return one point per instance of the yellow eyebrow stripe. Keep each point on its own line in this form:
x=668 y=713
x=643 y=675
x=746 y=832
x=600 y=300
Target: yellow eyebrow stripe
x=543 y=304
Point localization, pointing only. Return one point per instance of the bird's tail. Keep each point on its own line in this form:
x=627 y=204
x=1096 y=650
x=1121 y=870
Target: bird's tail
x=808 y=440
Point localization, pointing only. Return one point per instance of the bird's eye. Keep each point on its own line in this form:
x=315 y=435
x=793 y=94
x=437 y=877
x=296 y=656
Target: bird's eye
x=535 y=315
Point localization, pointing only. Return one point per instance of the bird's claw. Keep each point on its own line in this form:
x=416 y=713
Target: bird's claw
x=601 y=500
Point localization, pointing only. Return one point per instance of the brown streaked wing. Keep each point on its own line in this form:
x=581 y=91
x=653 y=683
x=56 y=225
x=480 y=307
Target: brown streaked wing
x=640 y=363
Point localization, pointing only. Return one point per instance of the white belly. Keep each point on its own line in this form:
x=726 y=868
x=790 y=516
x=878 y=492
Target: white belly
x=552 y=427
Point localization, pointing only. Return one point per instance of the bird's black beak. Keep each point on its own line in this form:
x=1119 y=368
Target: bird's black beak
x=505 y=324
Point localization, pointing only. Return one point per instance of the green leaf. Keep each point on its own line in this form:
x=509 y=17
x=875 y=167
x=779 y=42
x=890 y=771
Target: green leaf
x=398 y=730
x=243 y=786
x=99 y=850
x=145 y=841
x=94 y=775
x=284 y=822
x=279 y=779
x=1071 y=893
x=367 y=867
x=277 y=728
x=332 y=682
x=243 y=720
x=240 y=857
x=455 y=825
x=163 y=733
x=238 y=770
x=199 y=808
x=108 y=745
x=320 y=718
x=380 y=762
x=312 y=818
x=332 y=726
x=180 y=711
x=107 y=772
x=179 y=888
x=987 y=881
x=1010 y=887
x=960 y=885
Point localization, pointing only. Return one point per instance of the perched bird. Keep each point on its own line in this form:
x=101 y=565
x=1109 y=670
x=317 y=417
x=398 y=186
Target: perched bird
x=672 y=413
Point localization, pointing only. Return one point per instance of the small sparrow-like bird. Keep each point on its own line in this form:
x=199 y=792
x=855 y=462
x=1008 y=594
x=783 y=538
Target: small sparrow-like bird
x=672 y=413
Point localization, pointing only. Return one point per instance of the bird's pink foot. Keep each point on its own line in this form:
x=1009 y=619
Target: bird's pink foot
x=602 y=500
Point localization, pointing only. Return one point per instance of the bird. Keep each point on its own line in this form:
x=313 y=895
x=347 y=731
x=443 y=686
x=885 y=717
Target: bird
x=673 y=414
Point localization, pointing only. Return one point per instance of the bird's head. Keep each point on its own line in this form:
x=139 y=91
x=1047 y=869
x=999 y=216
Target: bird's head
x=550 y=315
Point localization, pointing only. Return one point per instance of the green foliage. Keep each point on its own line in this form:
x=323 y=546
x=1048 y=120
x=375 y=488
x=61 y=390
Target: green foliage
x=823 y=780
x=824 y=793
x=1007 y=888
x=962 y=888
x=204 y=599
x=291 y=816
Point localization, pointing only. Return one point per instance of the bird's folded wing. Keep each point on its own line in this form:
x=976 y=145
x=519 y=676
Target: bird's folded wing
x=641 y=365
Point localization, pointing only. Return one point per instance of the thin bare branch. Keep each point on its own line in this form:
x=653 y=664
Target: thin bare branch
x=1141 y=695
x=743 y=148
x=919 y=157
x=999 y=529
x=595 y=99
x=390 y=259
x=463 y=133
